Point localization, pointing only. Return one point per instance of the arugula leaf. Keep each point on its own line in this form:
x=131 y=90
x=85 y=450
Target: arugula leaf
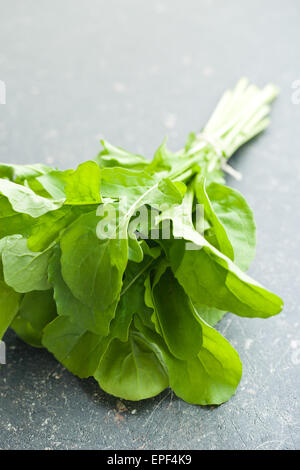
x=139 y=187
x=12 y=222
x=79 y=187
x=210 y=315
x=131 y=370
x=48 y=227
x=210 y=377
x=212 y=279
x=9 y=306
x=26 y=332
x=233 y=212
x=176 y=317
x=37 y=309
x=83 y=186
x=19 y=173
x=131 y=298
x=93 y=268
x=223 y=242
x=113 y=156
x=77 y=349
x=67 y=304
x=25 y=200
x=24 y=270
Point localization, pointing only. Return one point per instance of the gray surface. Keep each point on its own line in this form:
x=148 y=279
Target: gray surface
x=134 y=71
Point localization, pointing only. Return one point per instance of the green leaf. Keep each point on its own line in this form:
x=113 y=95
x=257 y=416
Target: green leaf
x=48 y=227
x=212 y=279
x=131 y=370
x=54 y=183
x=210 y=315
x=37 y=188
x=23 y=269
x=153 y=251
x=25 y=331
x=131 y=298
x=19 y=173
x=38 y=308
x=139 y=187
x=77 y=349
x=165 y=161
x=223 y=241
x=9 y=306
x=67 y=304
x=135 y=250
x=235 y=215
x=26 y=201
x=83 y=186
x=211 y=377
x=12 y=222
x=113 y=156
x=176 y=317
x=76 y=187
x=93 y=268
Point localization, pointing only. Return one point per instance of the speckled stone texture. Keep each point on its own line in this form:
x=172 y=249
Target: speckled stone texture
x=134 y=71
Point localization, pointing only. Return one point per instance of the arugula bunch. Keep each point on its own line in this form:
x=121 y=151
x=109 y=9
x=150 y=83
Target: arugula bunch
x=125 y=304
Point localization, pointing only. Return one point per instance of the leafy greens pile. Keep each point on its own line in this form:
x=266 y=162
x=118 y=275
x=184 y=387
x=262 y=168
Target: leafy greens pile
x=137 y=312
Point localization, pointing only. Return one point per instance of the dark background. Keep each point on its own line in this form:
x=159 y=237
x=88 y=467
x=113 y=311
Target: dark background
x=134 y=71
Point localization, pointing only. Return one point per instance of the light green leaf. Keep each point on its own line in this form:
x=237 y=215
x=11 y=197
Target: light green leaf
x=235 y=215
x=93 y=268
x=131 y=370
x=54 y=183
x=19 y=173
x=165 y=161
x=207 y=281
x=12 y=222
x=76 y=187
x=223 y=242
x=48 y=227
x=77 y=349
x=212 y=279
x=23 y=269
x=176 y=317
x=38 y=308
x=113 y=156
x=211 y=377
x=139 y=187
x=9 y=306
x=25 y=331
x=83 y=186
x=26 y=201
x=131 y=298
x=67 y=304
x=210 y=315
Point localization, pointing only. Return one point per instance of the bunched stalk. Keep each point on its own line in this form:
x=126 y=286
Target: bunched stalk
x=240 y=115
